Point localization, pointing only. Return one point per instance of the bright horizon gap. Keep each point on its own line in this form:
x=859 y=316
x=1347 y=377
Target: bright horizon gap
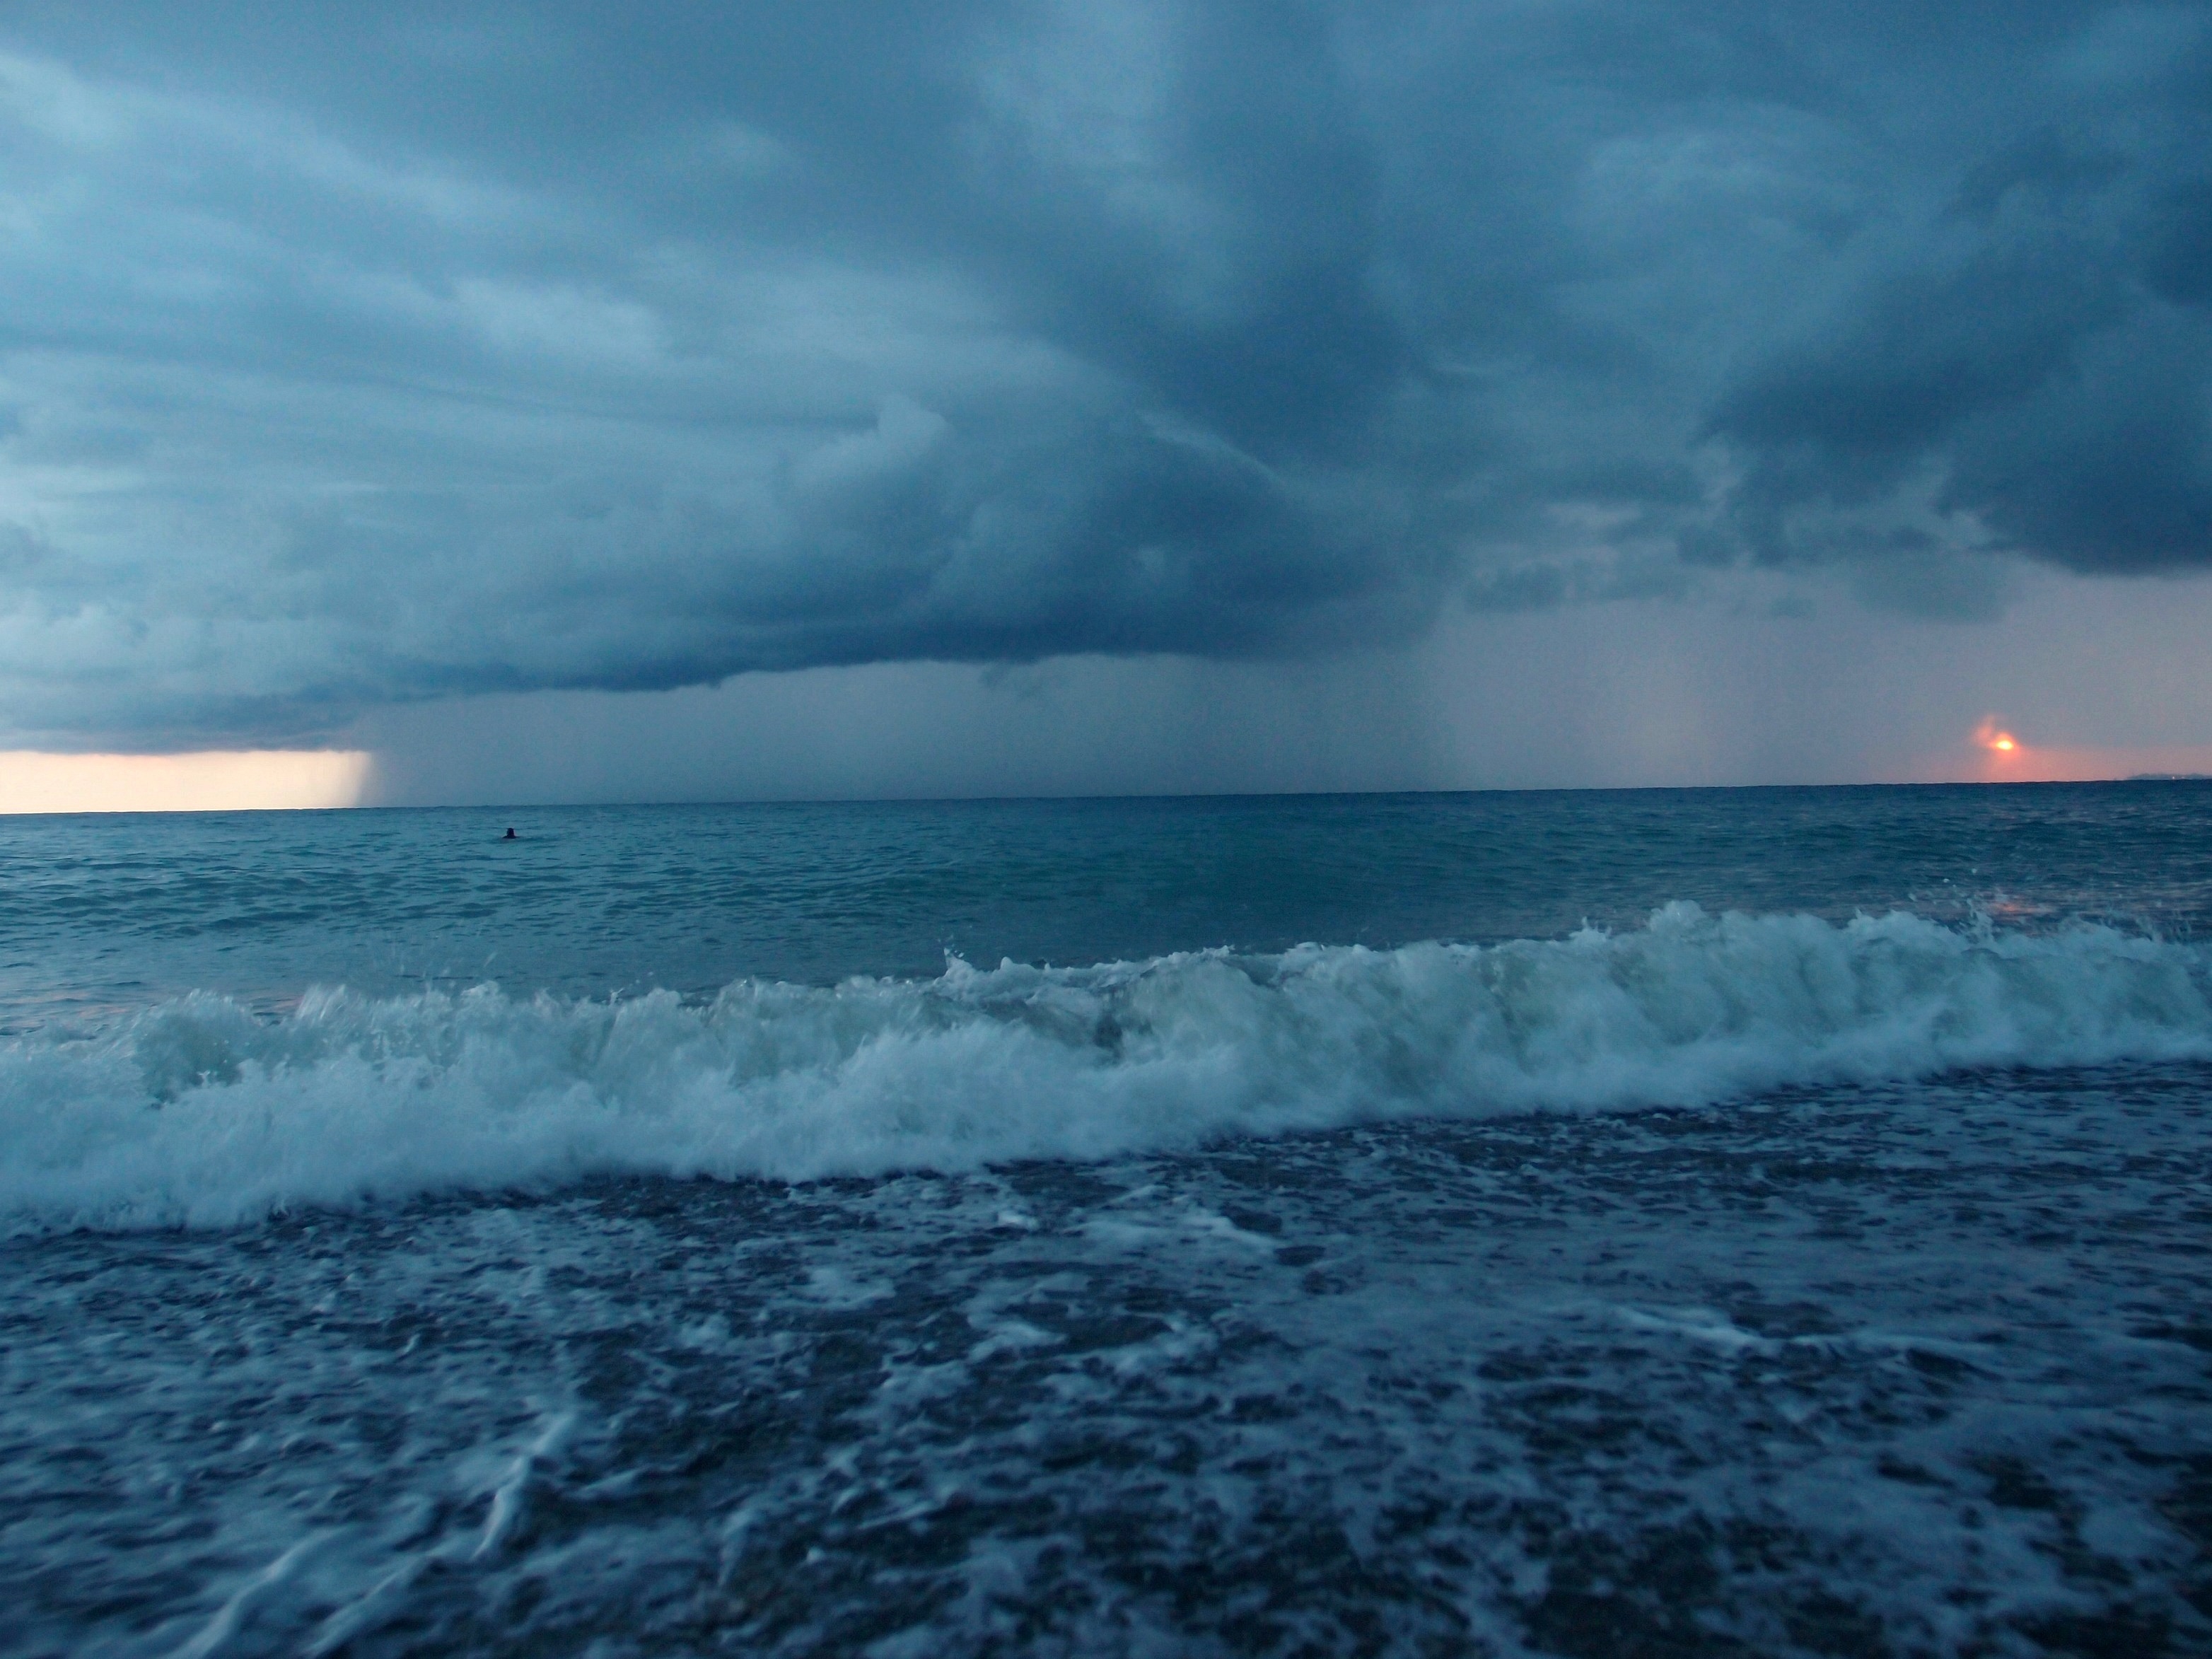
x=207 y=780
x=279 y=780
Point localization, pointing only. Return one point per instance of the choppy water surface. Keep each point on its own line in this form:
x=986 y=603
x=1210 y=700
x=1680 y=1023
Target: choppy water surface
x=1313 y=1238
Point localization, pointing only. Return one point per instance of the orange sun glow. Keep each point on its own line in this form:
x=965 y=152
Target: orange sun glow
x=210 y=780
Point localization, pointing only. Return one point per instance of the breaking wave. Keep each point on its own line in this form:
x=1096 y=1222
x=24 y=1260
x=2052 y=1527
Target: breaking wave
x=198 y=1113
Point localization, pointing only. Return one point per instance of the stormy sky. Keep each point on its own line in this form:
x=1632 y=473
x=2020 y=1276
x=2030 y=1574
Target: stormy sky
x=1001 y=397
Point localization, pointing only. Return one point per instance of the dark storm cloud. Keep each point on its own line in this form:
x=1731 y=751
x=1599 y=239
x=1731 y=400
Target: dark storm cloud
x=351 y=355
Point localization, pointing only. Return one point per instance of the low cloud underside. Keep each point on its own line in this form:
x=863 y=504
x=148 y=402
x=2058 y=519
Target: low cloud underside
x=355 y=356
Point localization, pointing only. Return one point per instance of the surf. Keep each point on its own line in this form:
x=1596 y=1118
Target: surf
x=198 y=1113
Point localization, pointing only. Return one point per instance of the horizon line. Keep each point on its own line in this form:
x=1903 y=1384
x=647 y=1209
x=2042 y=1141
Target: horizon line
x=672 y=803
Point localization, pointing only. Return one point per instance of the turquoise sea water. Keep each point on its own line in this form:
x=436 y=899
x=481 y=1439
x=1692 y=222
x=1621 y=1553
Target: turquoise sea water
x=1742 y=1221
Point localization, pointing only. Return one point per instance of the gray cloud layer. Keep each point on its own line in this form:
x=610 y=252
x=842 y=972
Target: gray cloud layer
x=355 y=355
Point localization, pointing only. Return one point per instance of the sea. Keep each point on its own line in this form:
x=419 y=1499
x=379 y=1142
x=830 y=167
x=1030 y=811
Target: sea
x=1732 y=1222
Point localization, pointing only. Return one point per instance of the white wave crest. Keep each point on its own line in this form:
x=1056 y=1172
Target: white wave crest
x=197 y=1113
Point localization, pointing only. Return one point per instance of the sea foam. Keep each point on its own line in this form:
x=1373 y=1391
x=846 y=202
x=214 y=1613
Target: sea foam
x=197 y=1113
